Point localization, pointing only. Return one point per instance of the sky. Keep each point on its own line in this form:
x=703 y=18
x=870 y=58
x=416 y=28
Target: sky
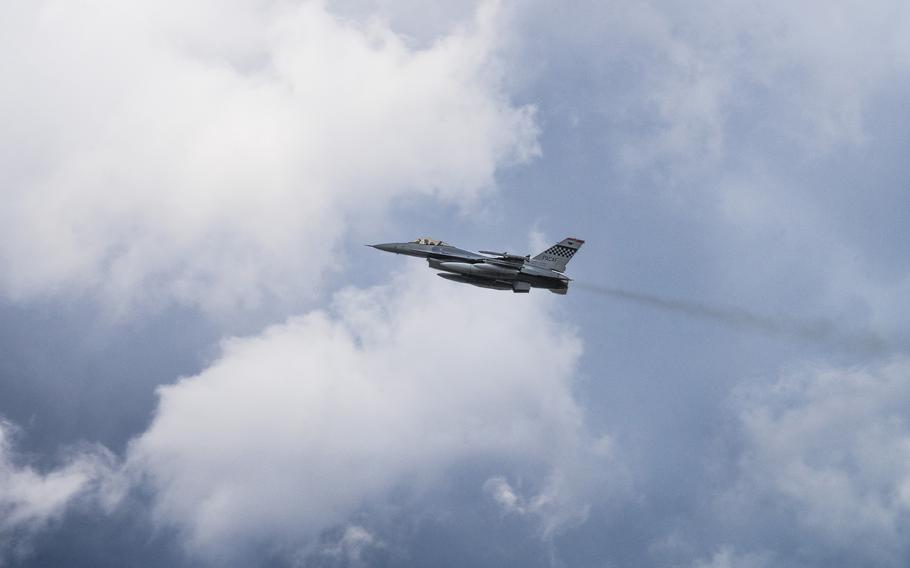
x=202 y=365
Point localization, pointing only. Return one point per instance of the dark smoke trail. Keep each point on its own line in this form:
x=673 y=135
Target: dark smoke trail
x=822 y=331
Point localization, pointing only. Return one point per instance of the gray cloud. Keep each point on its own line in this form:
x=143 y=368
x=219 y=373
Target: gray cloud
x=825 y=459
x=31 y=499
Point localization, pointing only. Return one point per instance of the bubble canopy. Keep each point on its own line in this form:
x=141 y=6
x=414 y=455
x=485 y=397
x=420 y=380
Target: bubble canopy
x=428 y=241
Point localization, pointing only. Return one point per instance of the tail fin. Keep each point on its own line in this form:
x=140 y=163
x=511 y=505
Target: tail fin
x=557 y=256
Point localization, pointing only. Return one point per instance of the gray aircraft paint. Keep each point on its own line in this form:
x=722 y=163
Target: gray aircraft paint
x=498 y=271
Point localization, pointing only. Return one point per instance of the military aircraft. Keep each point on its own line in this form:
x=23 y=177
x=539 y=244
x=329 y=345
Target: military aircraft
x=496 y=270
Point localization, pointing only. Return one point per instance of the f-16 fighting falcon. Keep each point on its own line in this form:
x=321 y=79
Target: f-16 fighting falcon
x=496 y=270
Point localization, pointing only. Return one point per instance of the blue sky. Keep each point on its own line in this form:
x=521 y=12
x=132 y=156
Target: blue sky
x=200 y=364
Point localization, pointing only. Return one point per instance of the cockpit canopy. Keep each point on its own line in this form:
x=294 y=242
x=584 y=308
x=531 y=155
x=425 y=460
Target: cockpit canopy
x=428 y=241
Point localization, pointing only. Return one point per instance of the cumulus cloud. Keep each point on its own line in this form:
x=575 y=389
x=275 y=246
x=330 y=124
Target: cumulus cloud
x=825 y=467
x=31 y=499
x=216 y=154
x=291 y=432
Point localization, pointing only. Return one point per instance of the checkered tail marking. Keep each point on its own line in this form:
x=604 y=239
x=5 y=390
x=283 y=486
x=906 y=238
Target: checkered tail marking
x=557 y=256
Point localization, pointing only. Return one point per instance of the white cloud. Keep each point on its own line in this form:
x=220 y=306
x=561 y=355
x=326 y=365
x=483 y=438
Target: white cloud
x=349 y=548
x=216 y=154
x=31 y=499
x=587 y=473
x=504 y=495
x=291 y=432
x=726 y=557
x=827 y=454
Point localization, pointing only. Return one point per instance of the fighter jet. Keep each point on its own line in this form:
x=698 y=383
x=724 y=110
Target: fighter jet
x=496 y=270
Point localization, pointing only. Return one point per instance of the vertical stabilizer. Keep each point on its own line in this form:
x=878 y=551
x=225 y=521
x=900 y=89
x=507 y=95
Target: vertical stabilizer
x=557 y=256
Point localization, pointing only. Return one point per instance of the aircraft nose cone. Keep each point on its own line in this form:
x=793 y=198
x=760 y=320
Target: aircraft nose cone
x=387 y=247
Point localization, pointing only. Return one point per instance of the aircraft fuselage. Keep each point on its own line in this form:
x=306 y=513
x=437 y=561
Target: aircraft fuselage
x=498 y=271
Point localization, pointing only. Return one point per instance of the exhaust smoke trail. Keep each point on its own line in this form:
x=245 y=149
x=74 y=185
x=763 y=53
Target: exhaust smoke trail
x=821 y=331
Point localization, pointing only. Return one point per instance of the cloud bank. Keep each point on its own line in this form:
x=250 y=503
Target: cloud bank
x=293 y=431
x=214 y=155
